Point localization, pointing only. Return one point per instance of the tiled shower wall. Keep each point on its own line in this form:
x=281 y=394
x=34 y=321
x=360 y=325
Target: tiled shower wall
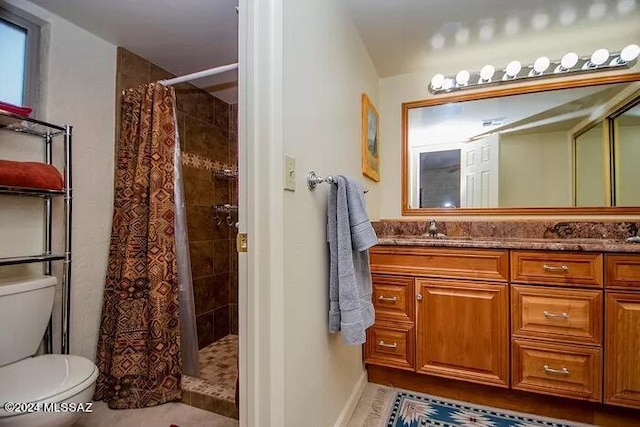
x=208 y=128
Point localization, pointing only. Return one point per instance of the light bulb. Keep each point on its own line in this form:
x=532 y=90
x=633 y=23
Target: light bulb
x=437 y=81
x=541 y=64
x=513 y=68
x=599 y=57
x=569 y=61
x=487 y=72
x=462 y=78
x=629 y=53
x=448 y=84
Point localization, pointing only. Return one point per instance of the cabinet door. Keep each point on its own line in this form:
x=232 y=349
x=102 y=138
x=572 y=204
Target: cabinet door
x=463 y=330
x=622 y=349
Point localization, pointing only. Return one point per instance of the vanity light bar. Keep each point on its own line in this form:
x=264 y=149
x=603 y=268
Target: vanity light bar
x=543 y=67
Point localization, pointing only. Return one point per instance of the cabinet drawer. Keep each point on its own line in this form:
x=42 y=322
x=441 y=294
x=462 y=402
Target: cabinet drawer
x=623 y=271
x=393 y=298
x=441 y=262
x=557 y=314
x=557 y=268
x=556 y=369
x=390 y=345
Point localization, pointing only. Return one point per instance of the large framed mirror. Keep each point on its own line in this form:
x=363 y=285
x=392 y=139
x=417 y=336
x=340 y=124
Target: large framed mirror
x=570 y=147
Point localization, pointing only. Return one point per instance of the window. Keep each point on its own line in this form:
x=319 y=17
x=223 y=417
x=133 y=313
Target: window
x=19 y=54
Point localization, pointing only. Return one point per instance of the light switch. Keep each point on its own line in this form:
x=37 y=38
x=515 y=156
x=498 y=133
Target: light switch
x=289 y=173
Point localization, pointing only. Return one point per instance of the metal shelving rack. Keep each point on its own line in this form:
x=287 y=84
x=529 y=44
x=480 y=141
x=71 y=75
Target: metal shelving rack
x=47 y=131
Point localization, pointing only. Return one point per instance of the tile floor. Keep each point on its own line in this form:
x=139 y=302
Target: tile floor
x=215 y=390
x=158 y=416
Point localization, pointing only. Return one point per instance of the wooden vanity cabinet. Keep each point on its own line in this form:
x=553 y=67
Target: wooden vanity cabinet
x=622 y=330
x=549 y=322
x=442 y=312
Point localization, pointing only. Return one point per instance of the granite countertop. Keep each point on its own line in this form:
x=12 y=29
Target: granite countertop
x=587 y=245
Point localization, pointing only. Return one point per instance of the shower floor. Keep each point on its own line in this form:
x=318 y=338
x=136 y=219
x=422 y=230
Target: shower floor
x=215 y=390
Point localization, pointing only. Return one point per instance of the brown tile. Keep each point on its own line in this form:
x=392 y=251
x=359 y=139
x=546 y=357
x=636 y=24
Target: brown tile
x=221 y=256
x=194 y=102
x=220 y=146
x=186 y=397
x=203 y=296
x=221 y=231
x=200 y=223
x=234 y=192
x=132 y=65
x=233 y=319
x=221 y=322
x=158 y=73
x=198 y=187
x=233 y=287
x=201 y=254
x=233 y=148
x=210 y=293
x=181 y=120
x=211 y=404
x=221 y=114
x=222 y=193
x=204 y=325
x=206 y=140
x=127 y=81
x=221 y=286
x=234 y=119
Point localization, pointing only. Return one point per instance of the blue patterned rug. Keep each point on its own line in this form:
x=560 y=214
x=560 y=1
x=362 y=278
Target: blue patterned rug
x=415 y=410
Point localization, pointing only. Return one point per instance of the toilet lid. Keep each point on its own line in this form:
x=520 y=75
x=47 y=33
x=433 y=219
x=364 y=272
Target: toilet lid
x=43 y=377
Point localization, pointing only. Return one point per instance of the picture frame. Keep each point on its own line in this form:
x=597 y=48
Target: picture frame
x=370 y=140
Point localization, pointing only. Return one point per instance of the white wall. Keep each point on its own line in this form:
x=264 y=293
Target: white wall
x=591 y=178
x=535 y=170
x=77 y=88
x=628 y=172
x=326 y=68
x=411 y=87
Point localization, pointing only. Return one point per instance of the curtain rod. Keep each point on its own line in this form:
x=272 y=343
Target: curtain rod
x=199 y=74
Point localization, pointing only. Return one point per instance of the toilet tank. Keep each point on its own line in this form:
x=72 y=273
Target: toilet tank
x=25 y=308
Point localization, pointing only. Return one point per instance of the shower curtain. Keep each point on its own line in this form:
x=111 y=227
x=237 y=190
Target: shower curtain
x=139 y=343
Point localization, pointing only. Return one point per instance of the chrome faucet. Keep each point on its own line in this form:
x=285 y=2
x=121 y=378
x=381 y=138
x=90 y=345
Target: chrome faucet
x=433 y=229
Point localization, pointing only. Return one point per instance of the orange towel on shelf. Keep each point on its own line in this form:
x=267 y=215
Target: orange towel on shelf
x=30 y=175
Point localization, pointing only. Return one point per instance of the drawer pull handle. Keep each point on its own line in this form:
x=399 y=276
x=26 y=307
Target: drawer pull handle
x=384 y=344
x=549 y=315
x=563 y=268
x=563 y=371
x=387 y=299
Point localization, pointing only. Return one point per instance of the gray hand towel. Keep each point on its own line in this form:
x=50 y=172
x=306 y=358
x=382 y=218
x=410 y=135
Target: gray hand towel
x=350 y=235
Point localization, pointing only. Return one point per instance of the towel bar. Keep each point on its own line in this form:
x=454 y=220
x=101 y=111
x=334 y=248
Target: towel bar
x=313 y=180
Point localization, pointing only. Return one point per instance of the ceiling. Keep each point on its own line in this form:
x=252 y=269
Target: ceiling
x=541 y=112
x=404 y=36
x=401 y=36
x=182 y=36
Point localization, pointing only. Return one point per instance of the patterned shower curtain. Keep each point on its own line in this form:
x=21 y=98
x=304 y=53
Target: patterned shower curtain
x=139 y=355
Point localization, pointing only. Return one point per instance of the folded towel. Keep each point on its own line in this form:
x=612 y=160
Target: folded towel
x=30 y=175
x=15 y=109
x=350 y=235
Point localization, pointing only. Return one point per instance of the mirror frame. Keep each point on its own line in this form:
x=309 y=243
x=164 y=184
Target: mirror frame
x=495 y=93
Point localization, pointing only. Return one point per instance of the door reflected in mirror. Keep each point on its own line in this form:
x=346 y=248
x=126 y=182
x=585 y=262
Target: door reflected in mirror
x=577 y=147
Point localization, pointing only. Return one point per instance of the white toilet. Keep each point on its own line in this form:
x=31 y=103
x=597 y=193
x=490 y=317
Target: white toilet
x=25 y=307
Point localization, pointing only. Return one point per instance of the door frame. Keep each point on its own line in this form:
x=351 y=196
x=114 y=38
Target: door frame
x=261 y=268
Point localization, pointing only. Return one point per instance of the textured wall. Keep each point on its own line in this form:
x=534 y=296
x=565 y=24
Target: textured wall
x=208 y=131
x=326 y=70
x=77 y=79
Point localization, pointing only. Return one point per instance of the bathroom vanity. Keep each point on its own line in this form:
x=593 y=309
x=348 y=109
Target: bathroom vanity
x=549 y=317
